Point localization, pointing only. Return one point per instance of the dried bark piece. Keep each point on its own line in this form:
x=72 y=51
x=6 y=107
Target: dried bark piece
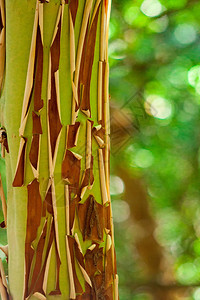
x=72 y=208
x=70 y=270
x=38 y=102
x=3 y=142
x=3 y=276
x=72 y=135
x=58 y=263
x=3 y=291
x=87 y=179
x=19 y=173
x=39 y=296
x=100 y=75
x=72 y=67
x=99 y=135
x=67 y=209
x=89 y=125
x=94 y=261
x=37 y=127
x=34 y=213
x=54 y=119
x=85 y=275
x=80 y=85
x=90 y=215
x=107 y=216
x=39 y=286
x=48 y=200
x=87 y=71
x=102 y=178
x=102 y=105
x=76 y=69
x=53 y=112
x=78 y=251
x=3 y=201
x=55 y=217
x=34 y=151
x=78 y=287
x=116 y=283
x=71 y=205
x=38 y=262
x=71 y=167
x=80 y=259
x=45 y=270
x=73 y=7
x=109 y=276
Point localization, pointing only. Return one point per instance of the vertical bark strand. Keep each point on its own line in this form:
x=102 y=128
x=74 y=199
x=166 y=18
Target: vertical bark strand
x=34 y=214
x=20 y=170
x=87 y=70
x=3 y=201
x=53 y=113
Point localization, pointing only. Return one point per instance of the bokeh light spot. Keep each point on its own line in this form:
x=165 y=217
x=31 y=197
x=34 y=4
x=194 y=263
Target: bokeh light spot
x=121 y=211
x=187 y=273
x=185 y=34
x=158 y=107
x=117 y=49
x=151 y=8
x=194 y=75
x=196 y=294
x=131 y=14
x=116 y=185
x=144 y=158
x=159 y=25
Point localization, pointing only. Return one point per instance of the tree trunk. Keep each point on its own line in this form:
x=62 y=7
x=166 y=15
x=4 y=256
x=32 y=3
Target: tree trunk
x=56 y=115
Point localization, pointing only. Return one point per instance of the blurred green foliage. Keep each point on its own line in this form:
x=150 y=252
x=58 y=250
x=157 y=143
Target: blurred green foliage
x=155 y=65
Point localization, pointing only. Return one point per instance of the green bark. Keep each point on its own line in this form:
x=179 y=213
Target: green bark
x=92 y=207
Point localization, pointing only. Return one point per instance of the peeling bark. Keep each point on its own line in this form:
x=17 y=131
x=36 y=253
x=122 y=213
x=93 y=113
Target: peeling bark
x=66 y=228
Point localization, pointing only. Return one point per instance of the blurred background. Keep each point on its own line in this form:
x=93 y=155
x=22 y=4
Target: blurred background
x=155 y=157
x=155 y=127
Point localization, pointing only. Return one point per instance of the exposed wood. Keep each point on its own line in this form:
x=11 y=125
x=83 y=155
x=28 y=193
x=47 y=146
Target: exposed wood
x=3 y=201
x=102 y=178
x=87 y=10
x=3 y=292
x=3 y=276
x=70 y=270
x=20 y=168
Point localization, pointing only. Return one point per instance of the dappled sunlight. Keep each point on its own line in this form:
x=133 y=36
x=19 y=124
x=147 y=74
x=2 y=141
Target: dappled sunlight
x=144 y=158
x=116 y=185
x=152 y=8
x=185 y=34
x=194 y=78
x=158 y=107
x=159 y=25
x=121 y=211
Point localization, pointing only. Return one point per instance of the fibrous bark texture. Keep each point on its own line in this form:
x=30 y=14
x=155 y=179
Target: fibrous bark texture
x=60 y=230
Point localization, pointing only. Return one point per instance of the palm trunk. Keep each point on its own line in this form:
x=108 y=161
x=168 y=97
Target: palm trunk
x=59 y=219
